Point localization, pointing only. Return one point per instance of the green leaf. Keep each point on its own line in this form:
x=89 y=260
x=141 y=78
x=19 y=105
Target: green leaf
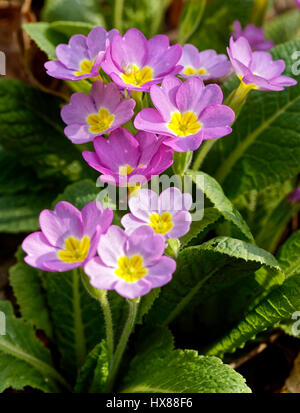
x=70 y=28
x=216 y=24
x=146 y=304
x=268 y=212
x=31 y=128
x=204 y=270
x=77 y=319
x=46 y=38
x=264 y=148
x=48 y=35
x=164 y=370
x=210 y=217
x=94 y=373
x=278 y=306
x=144 y=15
x=283 y=27
x=22 y=196
x=289 y=255
x=24 y=361
x=28 y=290
x=79 y=193
x=75 y=10
x=19 y=212
x=190 y=19
x=215 y=194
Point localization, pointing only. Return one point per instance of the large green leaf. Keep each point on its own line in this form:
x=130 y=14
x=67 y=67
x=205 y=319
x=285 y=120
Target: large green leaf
x=48 y=35
x=86 y=11
x=160 y=369
x=204 y=270
x=19 y=212
x=94 y=373
x=27 y=287
x=210 y=217
x=24 y=361
x=215 y=194
x=31 y=128
x=283 y=27
x=216 y=24
x=289 y=255
x=79 y=193
x=22 y=196
x=144 y=15
x=264 y=147
x=77 y=319
x=268 y=212
x=278 y=306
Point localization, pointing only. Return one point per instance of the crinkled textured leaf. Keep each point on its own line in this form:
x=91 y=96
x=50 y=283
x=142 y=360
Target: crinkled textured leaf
x=160 y=369
x=19 y=212
x=146 y=304
x=31 y=128
x=265 y=144
x=210 y=217
x=289 y=255
x=48 y=35
x=215 y=194
x=278 y=306
x=46 y=38
x=79 y=194
x=24 y=361
x=27 y=287
x=93 y=375
x=77 y=319
x=216 y=24
x=206 y=269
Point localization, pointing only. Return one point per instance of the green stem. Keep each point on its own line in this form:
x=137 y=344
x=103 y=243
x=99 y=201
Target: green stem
x=101 y=296
x=108 y=326
x=80 y=343
x=238 y=97
x=202 y=152
x=118 y=13
x=182 y=161
x=133 y=306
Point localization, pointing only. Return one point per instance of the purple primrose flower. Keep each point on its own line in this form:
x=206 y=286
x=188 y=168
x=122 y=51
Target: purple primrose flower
x=130 y=264
x=100 y=112
x=68 y=237
x=81 y=58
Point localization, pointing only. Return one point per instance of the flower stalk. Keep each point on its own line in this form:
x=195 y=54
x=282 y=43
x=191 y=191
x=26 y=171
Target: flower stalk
x=128 y=328
x=101 y=296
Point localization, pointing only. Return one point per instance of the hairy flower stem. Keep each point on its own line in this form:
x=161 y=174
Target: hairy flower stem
x=238 y=97
x=133 y=306
x=182 y=161
x=202 y=152
x=101 y=296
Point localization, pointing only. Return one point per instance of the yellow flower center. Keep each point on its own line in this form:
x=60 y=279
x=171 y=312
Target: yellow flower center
x=131 y=269
x=184 y=124
x=137 y=77
x=85 y=67
x=189 y=70
x=100 y=121
x=161 y=224
x=125 y=170
x=75 y=250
